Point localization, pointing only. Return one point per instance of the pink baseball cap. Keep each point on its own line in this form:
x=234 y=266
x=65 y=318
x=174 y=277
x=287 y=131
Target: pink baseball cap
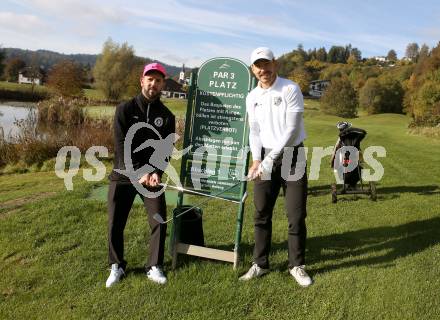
x=154 y=67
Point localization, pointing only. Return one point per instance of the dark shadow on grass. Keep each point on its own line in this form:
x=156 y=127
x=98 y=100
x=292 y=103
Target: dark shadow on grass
x=135 y=270
x=389 y=192
x=427 y=190
x=375 y=247
x=319 y=190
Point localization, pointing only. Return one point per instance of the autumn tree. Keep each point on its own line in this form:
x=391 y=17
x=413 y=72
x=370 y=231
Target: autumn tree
x=422 y=98
x=302 y=77
x=392 y=55
x=301 y=52
x=412 y=51
x=381 y=95
x=133 y=83
x=112 y=69
x=336 y=54
x=340 y=99
x=424 y=51
x=321 y=54
x=314 y=67
x=352 y=59
x=356 y=53
x=335 y=71
x=66 y=79
x=12 y=68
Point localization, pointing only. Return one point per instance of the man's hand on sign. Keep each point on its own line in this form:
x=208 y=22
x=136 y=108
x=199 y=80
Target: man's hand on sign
x=253 y=170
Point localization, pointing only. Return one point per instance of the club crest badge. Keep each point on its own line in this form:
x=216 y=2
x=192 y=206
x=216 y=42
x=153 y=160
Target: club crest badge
x=277 y=101
x=158 y=122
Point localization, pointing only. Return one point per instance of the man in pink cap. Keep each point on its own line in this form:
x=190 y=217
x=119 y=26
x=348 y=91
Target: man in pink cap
x=152 y=118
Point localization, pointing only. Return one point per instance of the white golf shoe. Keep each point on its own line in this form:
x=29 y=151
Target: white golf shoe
x=254 y=272
x=301 y=276
x=116 y=273
x=155 y=274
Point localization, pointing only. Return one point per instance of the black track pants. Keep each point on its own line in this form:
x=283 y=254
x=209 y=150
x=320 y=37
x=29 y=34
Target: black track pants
x=265 y=195
x=120 y=200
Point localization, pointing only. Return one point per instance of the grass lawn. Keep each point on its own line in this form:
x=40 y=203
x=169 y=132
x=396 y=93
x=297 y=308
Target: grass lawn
x=101 y=111
x=177 y=106
x=369 y=260
x=94 y=94
x=21 y=87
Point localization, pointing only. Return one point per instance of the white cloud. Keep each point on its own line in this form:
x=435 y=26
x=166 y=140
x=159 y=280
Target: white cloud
x=89 y=11
x=192 y=31
x=171 y=56
x=377 y=44
x=190 y=19
x=22 y=23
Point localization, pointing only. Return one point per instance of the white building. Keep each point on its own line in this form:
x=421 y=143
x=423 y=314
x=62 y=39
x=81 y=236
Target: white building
x=25 y=76
x=317 y=87
x=380 y=58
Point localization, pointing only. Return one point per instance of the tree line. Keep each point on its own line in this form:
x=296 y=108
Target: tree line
x=378 y=85
x=68 y=75
x=410 y=85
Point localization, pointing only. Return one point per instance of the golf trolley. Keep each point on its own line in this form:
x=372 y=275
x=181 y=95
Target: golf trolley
x=346 y=161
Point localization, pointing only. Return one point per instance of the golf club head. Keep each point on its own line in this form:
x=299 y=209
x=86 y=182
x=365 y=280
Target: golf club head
x=158 y=218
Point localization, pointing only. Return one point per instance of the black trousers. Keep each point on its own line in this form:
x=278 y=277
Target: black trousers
x=120 y=201
x=295 y=194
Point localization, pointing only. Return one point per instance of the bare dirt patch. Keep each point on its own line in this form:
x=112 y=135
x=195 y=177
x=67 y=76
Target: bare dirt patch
x=12 y=206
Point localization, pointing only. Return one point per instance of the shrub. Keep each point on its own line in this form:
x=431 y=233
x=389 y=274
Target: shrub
x=35 y=143
x=112 y=69
x=19 y=167
x=422 y=99
x=60 y=110
x=381 y=95
x=340 y=99
x=335 y=71
x=302 y=77
x=370 y=96
x=66 y=78
x=48 y=165
x=428 y=100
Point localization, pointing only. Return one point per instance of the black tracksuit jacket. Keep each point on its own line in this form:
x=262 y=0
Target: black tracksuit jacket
x=134 y=111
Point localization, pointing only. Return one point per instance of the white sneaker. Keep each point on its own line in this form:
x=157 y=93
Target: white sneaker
x=155 y=274
x=116 y=274
x=301 y=276
x=254 y=272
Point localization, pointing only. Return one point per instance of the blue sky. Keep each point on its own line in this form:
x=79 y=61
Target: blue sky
x=192 y=31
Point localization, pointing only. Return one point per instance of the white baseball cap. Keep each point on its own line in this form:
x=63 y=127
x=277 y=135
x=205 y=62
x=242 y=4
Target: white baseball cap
x=261 y=53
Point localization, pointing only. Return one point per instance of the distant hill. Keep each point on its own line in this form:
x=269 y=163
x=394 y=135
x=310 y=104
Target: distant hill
x=46 y=59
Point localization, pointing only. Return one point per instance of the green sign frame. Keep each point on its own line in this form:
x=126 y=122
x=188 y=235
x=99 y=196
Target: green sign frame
x=216 y=135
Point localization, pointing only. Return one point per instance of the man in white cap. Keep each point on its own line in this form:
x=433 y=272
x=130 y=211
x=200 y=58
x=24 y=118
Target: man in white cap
x=275 y=112
x=155 y=119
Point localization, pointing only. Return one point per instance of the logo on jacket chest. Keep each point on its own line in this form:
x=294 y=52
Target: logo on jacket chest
x=277 y=101
x=158 y=122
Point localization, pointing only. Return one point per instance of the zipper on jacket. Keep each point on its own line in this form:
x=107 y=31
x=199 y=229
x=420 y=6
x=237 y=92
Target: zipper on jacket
x=148 y=113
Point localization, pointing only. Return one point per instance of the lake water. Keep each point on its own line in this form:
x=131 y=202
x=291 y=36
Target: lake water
x=9 y=113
